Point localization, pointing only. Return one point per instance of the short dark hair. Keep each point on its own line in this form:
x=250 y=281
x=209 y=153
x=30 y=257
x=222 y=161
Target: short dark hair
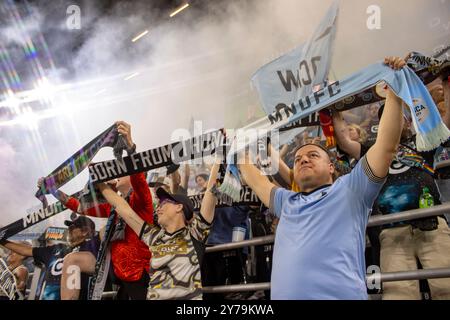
x=332 y=158
x=317 y=145
x=203 y=175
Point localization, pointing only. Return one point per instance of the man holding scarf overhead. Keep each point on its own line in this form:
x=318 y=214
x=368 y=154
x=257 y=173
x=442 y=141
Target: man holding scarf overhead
x=321 y=232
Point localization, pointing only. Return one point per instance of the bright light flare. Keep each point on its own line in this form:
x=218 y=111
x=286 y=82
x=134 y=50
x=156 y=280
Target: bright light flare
x=29 y=119
x=44 y=90
x=179 y=10
x=11 y=101
x=139 y=36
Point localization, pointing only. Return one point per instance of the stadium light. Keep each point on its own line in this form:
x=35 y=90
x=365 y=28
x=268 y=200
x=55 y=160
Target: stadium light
x=139 y=36
x=179 y=10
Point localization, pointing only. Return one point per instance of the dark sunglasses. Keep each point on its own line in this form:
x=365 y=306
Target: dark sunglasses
x=162 y=203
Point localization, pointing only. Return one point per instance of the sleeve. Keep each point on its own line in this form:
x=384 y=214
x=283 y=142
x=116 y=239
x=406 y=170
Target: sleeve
x=101 y=210
x=72 y=204
x=278 y=197
x=199 y=228
x=147 y=233
x=364 y=183
x=141 y=198
x=42 y=254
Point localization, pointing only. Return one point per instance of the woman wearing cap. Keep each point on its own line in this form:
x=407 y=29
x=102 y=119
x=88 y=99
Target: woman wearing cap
x=177 y=245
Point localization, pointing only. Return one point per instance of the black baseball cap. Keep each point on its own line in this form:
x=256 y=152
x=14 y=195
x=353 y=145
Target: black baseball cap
x=157 y=184
x=80 y=222
x=188 y=206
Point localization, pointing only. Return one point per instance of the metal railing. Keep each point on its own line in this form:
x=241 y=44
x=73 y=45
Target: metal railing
x=240 y=244
x=377 y=220
x=411 y=275
x=370 y=278
x=382 y=277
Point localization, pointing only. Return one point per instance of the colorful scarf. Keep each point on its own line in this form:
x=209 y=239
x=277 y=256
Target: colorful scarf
x=79 y=160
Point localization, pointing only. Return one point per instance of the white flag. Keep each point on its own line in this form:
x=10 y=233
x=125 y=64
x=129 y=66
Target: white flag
x=293 y=75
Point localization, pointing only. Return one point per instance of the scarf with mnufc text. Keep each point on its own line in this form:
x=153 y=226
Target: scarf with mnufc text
x=430 y=130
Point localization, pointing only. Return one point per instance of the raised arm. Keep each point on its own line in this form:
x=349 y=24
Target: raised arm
x=175 y=181
x=141 y=197
x=283 y=151
x=122 y=208
x=256 y=181
x=284 y=170
x=209 y=200
x=20 y=248
x=350 y=147
x=21 y=276
x=61 y=196
x=101 y=210
x=185 y=178
x=380 y=155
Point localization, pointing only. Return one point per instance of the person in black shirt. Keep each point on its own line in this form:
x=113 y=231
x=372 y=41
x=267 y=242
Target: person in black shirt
x=441 y=96
x=81 y=238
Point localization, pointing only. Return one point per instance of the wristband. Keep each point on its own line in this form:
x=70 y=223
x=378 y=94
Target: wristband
x=215 y=191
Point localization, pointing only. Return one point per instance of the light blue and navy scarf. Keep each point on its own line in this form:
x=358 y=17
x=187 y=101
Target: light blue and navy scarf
x=430 y=130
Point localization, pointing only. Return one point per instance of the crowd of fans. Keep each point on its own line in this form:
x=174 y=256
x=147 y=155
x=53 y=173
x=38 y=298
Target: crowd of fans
x=158 y=246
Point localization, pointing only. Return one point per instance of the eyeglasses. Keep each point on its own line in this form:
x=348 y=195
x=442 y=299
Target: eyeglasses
x=162 y=203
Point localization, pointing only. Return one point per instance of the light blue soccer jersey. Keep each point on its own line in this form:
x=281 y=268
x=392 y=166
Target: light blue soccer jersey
x=320 y=239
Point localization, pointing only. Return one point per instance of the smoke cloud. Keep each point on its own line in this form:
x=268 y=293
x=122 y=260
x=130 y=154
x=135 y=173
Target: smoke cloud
x=195 y=65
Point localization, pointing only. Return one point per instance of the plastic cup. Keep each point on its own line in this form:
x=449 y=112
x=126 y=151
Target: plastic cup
x=238 y=234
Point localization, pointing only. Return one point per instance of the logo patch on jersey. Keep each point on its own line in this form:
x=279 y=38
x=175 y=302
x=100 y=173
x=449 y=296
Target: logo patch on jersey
x=178 y=246
x=56 y=268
